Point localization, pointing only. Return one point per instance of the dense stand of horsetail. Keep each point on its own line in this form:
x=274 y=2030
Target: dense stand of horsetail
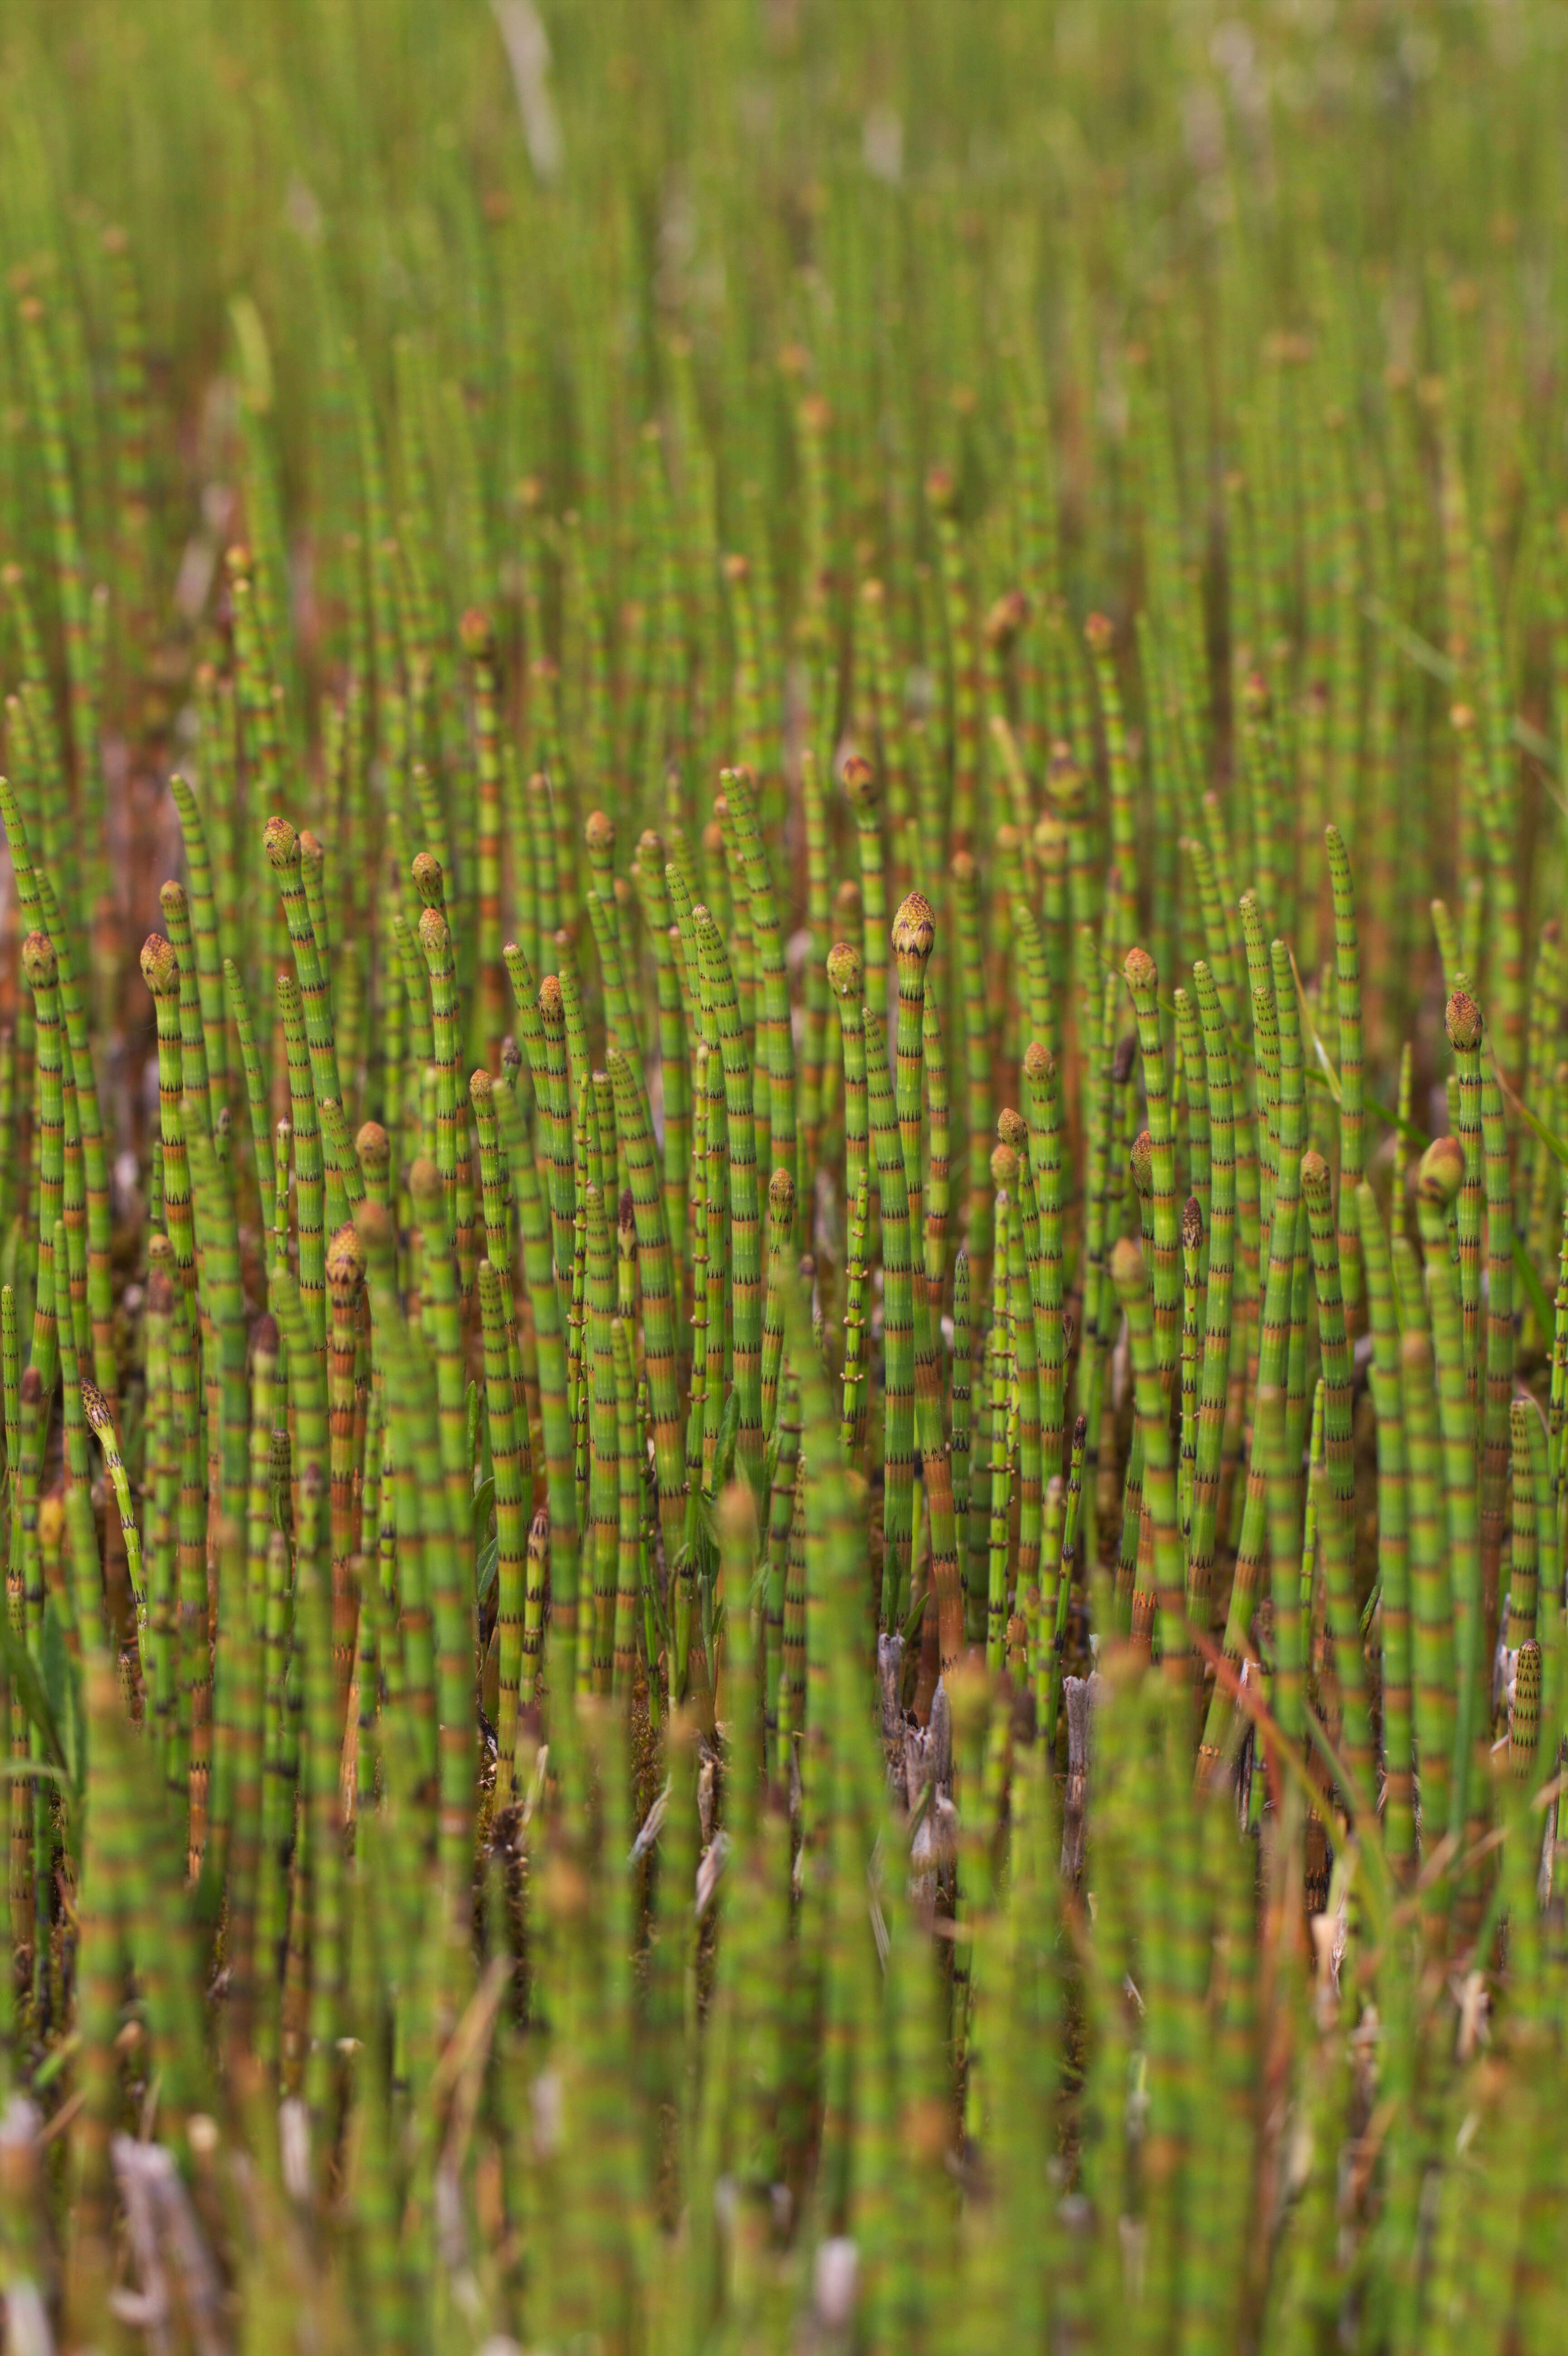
x=783 y=1118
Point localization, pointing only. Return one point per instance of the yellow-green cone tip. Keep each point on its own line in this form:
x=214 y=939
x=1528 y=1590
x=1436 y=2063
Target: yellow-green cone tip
x=844 y=970
x=1442 y=1172
x=280 y=843
x=39 y=963
x=345 y=1263
x=915 y=928
x=160 y=967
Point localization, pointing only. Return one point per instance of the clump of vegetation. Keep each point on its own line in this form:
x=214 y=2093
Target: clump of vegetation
x=782 y=1093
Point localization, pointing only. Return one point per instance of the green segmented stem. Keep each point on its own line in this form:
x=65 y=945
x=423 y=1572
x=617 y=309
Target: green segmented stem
x=1214 y=1380
x=508 y=1457
x=309 y=1196
x=453 y=1155
x=863 y=793
x=781 y=1225
x=160 y=972
x=856 y=1380
x=1166 y=1263
x=1352 y=1118
x=595 y=1645
x=1003 y=1165
x=36 y=900
x=209 y=974
x=628 y=1573
x=775 y=1032
x=1042 y=1098
x=281 y=845
x=1195 y=1098
x=1337 y=1489
x=657 y=1291
x=899 y=1324
x=977 y=1061
x=1393 y=1542
x=1497 y=1373
x=719 y=987
x=1431 y=1594
x=1025 y=1285
x=257 y=1100
x=1160 y=1473
x=1442 y=1173
x=815 y=993
x=1462 y=1019
x=1521 y=1594
x=1098 y=637
x=675 y=1073
x=39 y=968
x=1191 y=1252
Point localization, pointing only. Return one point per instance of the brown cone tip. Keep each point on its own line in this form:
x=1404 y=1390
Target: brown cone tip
x=1192 y=1223
x=860 y=781
x=172 y=899
x=961 y=867
x=915 y=928
x=1139 y=969
x=312 y=855
x=280 y=843
x=1098 y=634
x=480 y=1086
x=373 y=1146
x=475 y=632
x=599 y=833
x=160 y=967
x=1039 y=1062
x=844 y=970
x=650 y=850
x=1141 y=1160
x=374 y=1223
x=39 y=964
x=424 y=1181
x=1012 y=1128
x=1064 y=779
x=344 y=1261
x=95 y=1407
x=1127 y=1264
x=425 y=869
x=1462 y=1020
x=553 y=1005
x=1442 y=1172
x=433 y=932
x=1314 y=1171
x=1004 y=1166
x=781 y=1195
x=1002 y=624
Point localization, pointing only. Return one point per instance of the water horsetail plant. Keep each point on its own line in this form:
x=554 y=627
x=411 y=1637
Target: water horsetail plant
x=784 y=1503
